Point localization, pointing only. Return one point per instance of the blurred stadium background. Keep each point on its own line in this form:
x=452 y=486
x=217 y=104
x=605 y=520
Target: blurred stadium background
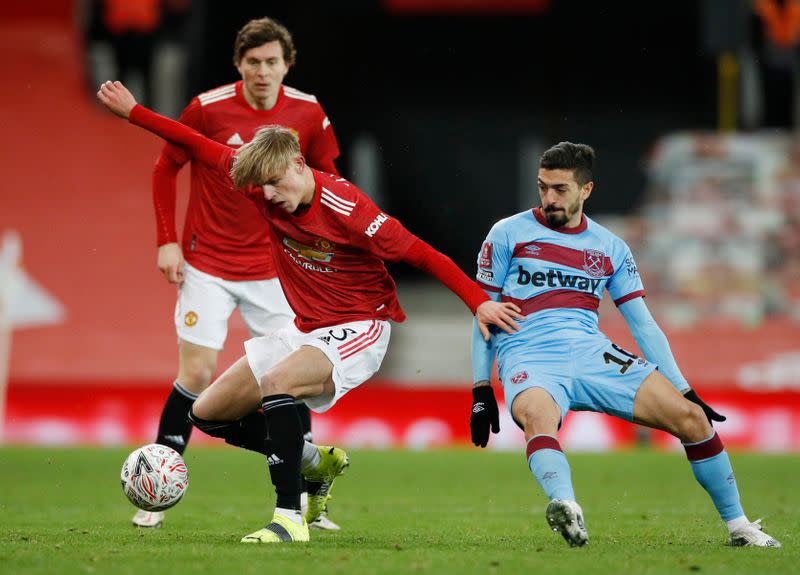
x=441 y=108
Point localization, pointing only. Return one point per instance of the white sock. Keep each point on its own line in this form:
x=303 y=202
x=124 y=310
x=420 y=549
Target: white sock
x=310 y=458
x=292 y=514
x=737 y=523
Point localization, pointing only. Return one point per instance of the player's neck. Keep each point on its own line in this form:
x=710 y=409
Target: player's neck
x=575 y=220
x=260 y=103
x=310 y=185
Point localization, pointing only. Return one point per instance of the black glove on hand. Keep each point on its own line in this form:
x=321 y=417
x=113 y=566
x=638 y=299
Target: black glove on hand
x=691 y=395
x=484 y=414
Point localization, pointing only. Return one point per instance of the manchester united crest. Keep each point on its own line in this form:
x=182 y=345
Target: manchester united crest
x=190 y=318
x=324 y=245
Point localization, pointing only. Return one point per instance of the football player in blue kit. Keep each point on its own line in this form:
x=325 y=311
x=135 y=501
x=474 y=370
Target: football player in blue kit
x=554 y=263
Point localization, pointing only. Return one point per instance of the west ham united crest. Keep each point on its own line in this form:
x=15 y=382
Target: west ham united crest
x=594 y=263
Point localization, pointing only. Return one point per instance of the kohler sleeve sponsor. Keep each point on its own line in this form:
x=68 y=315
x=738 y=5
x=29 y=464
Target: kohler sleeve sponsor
x=376 y=224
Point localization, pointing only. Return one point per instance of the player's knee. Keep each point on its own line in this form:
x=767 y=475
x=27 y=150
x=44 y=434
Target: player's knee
x=199 y=411
x=538 y=421
x=195 y=375
x=273 y=383
x=692 y=425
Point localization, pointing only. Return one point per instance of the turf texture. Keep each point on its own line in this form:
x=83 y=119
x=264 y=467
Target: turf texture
x=454 y=511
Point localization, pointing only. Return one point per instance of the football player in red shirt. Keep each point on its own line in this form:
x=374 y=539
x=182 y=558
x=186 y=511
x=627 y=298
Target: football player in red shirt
x=223 y=261
x=329 y=244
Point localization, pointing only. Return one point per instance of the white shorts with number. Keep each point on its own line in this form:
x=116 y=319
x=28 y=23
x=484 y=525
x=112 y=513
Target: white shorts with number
x=355 y=349
x=206 y=302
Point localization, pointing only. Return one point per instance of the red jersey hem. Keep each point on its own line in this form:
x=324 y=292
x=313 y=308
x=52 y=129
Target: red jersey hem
x=309 y=326
x=224 y=274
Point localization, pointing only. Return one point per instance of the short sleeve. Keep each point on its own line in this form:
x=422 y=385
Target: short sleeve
x=625 y=283
x=494 y=259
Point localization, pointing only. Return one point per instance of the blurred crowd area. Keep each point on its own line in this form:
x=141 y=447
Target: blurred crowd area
x=141 y=42
x=717 y=233
x=717 y=237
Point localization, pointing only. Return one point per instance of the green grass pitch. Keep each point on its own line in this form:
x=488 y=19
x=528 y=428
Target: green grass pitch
x=439 y=512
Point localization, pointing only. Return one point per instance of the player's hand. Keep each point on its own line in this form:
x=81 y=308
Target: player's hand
x=116 y=97
x=170 y=262
x=500 y=314
x=691 y=395
x=484 y=414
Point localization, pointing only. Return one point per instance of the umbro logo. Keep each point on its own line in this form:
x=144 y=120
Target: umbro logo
x=274 y=460
x=478 y=407
x=235 y=140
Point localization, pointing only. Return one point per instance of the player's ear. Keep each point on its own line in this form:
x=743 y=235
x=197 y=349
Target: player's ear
x=300 y=162
x=586 y=189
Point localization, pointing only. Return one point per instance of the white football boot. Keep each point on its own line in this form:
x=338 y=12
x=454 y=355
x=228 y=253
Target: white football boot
x=752 y=535
x=324 y=523
x=566 y=517
x=150 y=519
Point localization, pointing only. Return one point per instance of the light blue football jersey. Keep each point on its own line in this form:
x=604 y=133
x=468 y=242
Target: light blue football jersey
x=556 y=277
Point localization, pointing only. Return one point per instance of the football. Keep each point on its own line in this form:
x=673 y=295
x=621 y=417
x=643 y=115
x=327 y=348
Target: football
x=154 y=477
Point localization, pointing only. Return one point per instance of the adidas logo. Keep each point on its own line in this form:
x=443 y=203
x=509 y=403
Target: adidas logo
x=274 y=460
x=177 y=439
x=235 y=140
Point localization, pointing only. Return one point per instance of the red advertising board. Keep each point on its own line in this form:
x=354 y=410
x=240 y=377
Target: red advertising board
x=378 y=414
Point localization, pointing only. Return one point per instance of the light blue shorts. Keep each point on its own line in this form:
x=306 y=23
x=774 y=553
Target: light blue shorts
x=583 y=374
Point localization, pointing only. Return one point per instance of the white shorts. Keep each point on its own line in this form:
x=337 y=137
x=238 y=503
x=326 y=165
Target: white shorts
x=205 y=303
x=355 y=349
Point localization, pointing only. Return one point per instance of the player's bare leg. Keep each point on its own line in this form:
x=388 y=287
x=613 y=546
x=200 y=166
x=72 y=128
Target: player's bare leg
x=196 y=366
x=306 y=372
x=539 y=415
x=659 y=405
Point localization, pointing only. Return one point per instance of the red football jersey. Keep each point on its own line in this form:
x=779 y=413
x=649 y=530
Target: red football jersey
x=330 y=257
x=224 y=234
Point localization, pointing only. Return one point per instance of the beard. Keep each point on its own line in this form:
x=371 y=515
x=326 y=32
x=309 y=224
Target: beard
x=556 y=218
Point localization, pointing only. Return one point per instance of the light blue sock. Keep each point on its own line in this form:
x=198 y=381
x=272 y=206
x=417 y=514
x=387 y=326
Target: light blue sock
x=550 y=467
x=712 y=469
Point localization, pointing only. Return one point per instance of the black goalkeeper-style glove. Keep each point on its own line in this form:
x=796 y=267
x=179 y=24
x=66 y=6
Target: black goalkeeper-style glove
x=691 y=395
x=484 y=415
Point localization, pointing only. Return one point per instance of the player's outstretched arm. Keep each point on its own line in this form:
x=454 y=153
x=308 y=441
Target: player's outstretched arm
x=503 y=315
x=653 y=343
x=116 y=97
